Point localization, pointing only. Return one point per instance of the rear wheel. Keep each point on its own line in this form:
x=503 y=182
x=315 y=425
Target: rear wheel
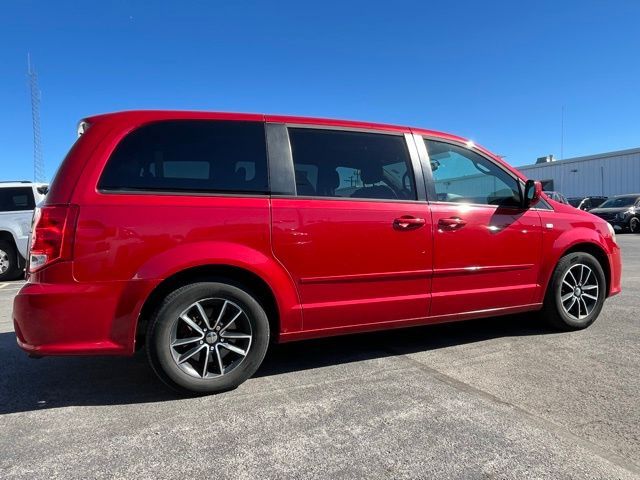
x=634 y=225
x=9 y=268
x=207 y=337
x=576 y=292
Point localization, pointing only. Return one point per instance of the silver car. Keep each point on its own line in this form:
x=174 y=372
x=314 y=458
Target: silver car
x=17 y=203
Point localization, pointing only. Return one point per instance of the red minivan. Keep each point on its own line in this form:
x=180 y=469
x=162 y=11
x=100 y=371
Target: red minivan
x=205 y=236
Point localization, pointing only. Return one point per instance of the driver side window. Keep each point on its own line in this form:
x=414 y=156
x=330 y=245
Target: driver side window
x=463 y=176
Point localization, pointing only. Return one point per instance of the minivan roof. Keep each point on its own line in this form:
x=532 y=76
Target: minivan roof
x=143 y=116
x=139 y=117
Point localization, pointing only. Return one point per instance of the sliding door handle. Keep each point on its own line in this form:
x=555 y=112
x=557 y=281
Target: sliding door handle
x=451 y=223
x=407 y=222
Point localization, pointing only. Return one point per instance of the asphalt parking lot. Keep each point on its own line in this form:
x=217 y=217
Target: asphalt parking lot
x=494 y=398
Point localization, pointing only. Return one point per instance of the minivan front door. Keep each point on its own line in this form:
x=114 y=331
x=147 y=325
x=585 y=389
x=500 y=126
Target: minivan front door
x=487 y=248
x=355 y=237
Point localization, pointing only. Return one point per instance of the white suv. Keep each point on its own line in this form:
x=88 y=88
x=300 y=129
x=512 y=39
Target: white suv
x=17 y=202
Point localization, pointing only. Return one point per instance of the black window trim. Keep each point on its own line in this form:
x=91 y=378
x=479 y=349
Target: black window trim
x=181 y=193
x=428 y=173
x=280 y=160
x=282 y=168
x=176 y=191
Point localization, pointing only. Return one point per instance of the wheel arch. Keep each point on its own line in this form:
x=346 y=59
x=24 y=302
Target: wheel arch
x=597 y=252
x=249 y=280
x=9 y=236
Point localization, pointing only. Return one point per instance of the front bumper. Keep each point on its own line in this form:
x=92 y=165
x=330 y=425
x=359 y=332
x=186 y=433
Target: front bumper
x=617 y=224
x=615 y=265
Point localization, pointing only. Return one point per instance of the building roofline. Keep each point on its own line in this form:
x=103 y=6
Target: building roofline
x=616 y=153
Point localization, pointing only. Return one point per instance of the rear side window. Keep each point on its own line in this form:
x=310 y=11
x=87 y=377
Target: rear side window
x=190 y=155
x=16 y=199
x=336 y=163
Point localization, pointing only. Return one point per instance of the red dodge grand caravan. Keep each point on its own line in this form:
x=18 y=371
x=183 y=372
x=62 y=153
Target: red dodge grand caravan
x=207 y=235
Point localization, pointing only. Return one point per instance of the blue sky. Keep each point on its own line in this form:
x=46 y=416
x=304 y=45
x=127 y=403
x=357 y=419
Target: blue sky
x=497 y=72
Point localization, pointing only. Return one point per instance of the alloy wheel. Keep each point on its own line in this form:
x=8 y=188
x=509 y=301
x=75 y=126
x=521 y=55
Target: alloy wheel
x=4 y=262
x=210 y=338
x=579 y=291
x=634 y=225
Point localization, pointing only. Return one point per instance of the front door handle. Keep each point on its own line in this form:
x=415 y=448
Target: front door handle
x=407 y=222
x=451 y=223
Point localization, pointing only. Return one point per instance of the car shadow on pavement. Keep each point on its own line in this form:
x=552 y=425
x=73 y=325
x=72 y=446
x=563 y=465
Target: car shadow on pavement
x=27 y=384
x=324 y=352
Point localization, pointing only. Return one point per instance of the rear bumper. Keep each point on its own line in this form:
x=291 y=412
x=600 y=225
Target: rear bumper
x=76 y=318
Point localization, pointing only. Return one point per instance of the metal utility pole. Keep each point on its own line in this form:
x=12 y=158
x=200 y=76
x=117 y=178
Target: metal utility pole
x=562 y=134
x=38 y=161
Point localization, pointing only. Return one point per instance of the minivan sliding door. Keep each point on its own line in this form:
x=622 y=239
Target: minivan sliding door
x=352 y=228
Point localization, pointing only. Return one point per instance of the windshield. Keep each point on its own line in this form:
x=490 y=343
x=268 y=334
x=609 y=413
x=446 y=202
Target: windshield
x=619 y=202
x=575 y=202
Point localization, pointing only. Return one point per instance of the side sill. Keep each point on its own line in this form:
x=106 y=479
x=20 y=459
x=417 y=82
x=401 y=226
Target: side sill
x=413 y=322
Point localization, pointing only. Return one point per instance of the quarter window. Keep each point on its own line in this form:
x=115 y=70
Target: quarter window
x=190 y=155
x=461 y=175
x=336 y=163
x=16 y=199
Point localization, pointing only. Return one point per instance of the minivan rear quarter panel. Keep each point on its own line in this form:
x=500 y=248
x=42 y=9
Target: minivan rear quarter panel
x=145 y=237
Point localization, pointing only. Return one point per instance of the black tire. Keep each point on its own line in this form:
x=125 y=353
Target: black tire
x=162 y=326
x=555 y=312
x=9 y=261
x=634 y=225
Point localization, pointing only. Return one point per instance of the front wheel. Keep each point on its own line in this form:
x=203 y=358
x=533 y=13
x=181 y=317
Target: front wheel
x=207 y=337
x=634 y=225
x=576 y=292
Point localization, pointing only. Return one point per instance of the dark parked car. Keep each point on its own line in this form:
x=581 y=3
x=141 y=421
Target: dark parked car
x=586 y=203
x=623 y=212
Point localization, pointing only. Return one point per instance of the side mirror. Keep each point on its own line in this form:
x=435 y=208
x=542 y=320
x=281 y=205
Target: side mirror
x=532 y=193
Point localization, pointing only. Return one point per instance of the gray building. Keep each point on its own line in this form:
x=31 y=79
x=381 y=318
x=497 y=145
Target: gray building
x=604 y=174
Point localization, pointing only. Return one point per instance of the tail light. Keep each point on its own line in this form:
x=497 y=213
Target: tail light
x=52 y=235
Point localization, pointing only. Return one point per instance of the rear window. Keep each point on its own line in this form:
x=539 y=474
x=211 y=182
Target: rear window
x=190 y=155
x=16 y=199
